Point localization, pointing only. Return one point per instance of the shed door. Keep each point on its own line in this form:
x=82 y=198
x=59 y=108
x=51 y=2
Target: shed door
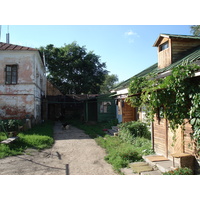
x=128 y=113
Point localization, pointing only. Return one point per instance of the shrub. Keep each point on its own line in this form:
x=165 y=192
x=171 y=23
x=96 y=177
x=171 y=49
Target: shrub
x=180 y=171
x=130 y=130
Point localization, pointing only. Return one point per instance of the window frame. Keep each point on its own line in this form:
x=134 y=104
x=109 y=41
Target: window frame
x=11 y=76
x=164 y=46
x=104 y=106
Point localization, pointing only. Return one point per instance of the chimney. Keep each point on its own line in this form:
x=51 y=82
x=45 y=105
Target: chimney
x=8 y=38
x=8 y=35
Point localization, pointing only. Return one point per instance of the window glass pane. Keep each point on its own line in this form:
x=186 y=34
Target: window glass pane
x=14 y=80
x=8 y=69
x=164 y=46
x=11 y=74
x=8 y=79
x=8 y=73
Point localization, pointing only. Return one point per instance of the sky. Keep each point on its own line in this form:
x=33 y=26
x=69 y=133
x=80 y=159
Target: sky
x=126 y=49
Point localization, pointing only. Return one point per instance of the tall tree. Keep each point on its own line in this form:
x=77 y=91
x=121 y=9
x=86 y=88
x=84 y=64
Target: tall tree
x=195 y=30
x=72 y=70
x=109 y=83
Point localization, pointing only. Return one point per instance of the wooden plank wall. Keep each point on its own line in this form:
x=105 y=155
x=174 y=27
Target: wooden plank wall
x=164 y=57
x=128 y=113
x=160 y=136
x=180 y=46
x=167 y=143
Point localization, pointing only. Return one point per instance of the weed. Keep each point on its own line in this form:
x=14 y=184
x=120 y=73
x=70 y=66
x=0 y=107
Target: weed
x=180 y=171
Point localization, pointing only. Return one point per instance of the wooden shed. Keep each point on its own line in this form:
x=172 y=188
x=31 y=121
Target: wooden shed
x=106 y=108
x=99 y=108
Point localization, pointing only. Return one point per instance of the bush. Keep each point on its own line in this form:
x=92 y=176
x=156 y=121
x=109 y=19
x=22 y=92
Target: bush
x=180 y=171
x=130 y=130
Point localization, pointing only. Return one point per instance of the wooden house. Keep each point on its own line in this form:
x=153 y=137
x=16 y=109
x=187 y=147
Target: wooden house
x=22 y=82
x=125 y=112
x=173 y=50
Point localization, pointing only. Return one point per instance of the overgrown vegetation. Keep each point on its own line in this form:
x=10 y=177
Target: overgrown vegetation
x=180 y=171
x=130 y=130
x=120 y=152
x=177 y=94
x=9 y=125
x=39 y=137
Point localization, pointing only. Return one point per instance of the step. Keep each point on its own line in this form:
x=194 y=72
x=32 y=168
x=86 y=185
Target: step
x=112 y=132
x=115 y=128
x=128 y=171
x=155 y=172
x=139 y=167
x=161 y=163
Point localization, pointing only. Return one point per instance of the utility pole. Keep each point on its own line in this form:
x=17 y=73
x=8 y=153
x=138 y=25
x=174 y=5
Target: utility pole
x=8 y=36
x=0 y=33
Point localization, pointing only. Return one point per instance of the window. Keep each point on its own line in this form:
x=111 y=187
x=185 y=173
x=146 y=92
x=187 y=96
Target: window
x=104 y=106
x=11 y=74
x=164 y=46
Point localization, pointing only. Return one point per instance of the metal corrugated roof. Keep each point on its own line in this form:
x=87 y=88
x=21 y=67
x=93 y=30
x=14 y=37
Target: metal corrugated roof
x=126 y=83
x=6 y=46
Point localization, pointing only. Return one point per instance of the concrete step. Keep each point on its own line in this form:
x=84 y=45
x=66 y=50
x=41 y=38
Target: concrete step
x=115 y=128
x=128 y=171
x=112 y=132
x=162 y=165
x=139 y=167
x=155 y=172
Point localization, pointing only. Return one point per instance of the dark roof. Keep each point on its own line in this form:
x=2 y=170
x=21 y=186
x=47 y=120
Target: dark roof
x=13 y=47
x=174 y=36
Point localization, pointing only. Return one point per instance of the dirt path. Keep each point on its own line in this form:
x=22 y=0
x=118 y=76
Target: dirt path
x=74 y=153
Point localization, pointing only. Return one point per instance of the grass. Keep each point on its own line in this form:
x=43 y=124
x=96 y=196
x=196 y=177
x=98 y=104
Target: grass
x=39 y=137
x=94 y=130
x=119 y=152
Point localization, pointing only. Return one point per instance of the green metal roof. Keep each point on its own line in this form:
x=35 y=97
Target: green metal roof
x=174 y=36
x=189 y=57
x=126 y=83
x=180 y=36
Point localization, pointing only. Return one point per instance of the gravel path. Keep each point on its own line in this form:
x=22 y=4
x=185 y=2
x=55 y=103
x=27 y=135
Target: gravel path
x=74 y=153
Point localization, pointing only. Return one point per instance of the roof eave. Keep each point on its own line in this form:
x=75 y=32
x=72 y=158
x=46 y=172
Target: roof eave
x=159 y=38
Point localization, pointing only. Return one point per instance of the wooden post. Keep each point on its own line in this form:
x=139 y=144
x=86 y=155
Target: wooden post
x=166 y=137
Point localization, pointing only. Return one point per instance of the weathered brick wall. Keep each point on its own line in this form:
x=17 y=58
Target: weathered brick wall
x=23 y=99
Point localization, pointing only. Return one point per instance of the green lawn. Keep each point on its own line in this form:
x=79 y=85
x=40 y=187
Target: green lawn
x=39 y=137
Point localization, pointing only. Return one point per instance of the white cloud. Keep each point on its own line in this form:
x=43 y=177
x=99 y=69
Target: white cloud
x=130 y=35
